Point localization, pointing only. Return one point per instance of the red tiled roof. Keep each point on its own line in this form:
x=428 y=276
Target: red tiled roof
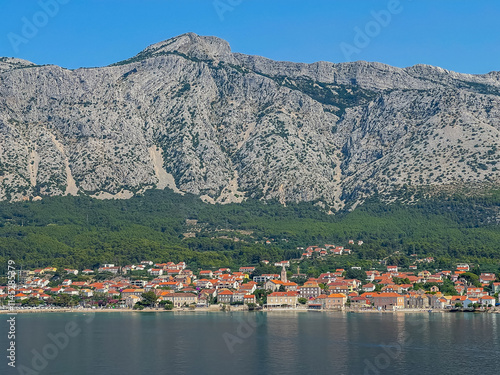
x=284 y=294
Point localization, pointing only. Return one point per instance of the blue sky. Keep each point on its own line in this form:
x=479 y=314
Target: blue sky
x=458 y=35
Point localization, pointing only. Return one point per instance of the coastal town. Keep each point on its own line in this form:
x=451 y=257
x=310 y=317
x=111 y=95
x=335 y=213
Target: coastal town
x=173 y=286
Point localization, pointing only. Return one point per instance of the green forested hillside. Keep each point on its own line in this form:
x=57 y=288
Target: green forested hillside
x=82 y=232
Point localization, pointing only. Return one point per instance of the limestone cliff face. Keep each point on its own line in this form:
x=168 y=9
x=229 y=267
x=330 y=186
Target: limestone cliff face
x=189 y=114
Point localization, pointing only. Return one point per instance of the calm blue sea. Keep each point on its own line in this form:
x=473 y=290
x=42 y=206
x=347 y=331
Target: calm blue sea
x=253 y=343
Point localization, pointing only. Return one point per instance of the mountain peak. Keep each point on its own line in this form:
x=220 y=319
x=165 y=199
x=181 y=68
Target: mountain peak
x=193 y=45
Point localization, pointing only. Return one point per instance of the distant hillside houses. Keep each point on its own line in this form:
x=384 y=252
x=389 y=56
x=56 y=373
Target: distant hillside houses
x=324 y=251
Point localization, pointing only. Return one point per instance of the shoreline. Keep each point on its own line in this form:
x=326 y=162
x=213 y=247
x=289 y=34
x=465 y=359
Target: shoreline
x=212 y=310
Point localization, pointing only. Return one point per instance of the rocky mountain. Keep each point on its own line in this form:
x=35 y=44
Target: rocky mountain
x=189 y=114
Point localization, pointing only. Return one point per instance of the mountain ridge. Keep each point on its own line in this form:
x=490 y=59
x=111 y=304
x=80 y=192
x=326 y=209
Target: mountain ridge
x=228 y=126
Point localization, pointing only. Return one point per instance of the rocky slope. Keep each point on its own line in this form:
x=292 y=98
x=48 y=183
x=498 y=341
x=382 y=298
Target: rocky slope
x=189 y=114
